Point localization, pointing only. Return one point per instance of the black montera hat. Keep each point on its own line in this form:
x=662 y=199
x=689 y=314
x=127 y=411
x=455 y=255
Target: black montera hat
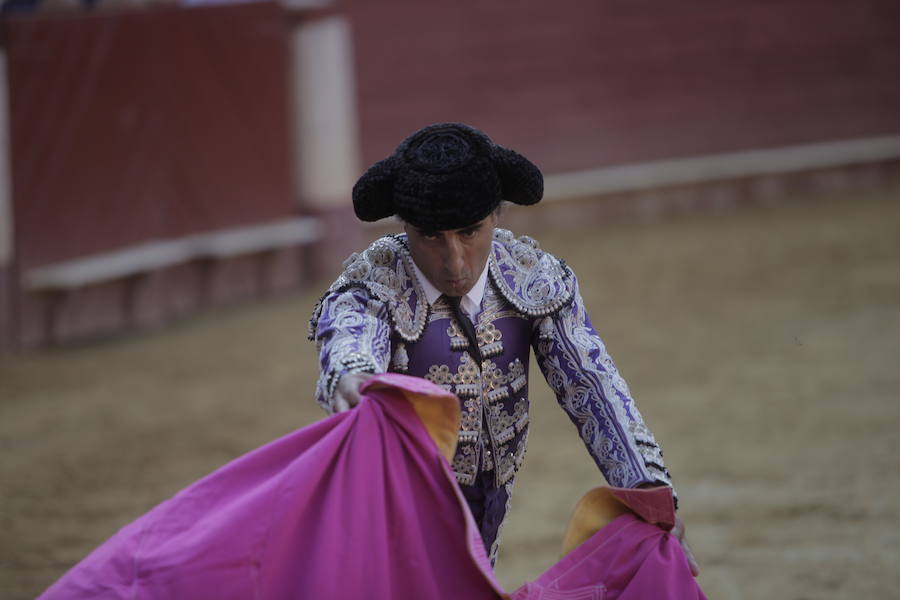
x=445 y=176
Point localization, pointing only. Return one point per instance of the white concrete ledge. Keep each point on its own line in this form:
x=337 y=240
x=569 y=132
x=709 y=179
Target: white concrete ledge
x=142 y=258
x=732 y=165
x=6 y=212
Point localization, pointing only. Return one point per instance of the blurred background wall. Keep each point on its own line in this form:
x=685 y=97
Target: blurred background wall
x=162 y=158
x=593 y=83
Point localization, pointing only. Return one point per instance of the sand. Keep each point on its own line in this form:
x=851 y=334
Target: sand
x=762 y=346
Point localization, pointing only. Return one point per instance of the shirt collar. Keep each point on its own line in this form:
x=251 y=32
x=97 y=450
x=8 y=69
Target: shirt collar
x=471 y=302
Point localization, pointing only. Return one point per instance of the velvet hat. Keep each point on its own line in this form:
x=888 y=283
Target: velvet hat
x=446 y=176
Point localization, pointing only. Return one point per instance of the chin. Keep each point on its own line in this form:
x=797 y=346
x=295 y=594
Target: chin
x=457 y=290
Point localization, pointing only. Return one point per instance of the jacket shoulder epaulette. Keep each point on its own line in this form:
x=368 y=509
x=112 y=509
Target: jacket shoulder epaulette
x=384 y=270
x=535 y=282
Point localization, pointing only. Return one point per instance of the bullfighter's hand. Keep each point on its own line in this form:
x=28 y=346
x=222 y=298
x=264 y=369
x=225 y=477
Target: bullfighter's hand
x=346 y=394
x=678 y=532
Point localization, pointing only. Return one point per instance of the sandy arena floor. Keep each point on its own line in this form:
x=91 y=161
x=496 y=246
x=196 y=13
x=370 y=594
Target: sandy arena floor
x=763 y=348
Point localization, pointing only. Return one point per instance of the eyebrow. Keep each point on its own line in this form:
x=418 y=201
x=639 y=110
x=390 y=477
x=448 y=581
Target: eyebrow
x=469 y=229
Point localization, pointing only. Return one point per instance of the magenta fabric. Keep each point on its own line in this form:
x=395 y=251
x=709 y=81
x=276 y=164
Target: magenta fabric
x=359 y=505
x=629 y=559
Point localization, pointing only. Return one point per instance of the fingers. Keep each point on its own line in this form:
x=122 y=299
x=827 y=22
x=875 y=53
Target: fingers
x=340 y=404
x=678 y=529
x=679 y=532
x=692 y=562
x=346 y=395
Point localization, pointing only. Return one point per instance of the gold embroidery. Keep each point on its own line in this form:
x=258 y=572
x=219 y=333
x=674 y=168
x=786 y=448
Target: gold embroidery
x=468 y=390
x=488 y=334
x=458 y=339
x=511 y=460
x=505 y=425
x=464 y=464
x=468 y=371
x=470 y=417
x=439 y=375
x=469 y=436
x=517 y=376
x=493 y=376
x=486 y=432
x=489 y=340
x=501 y=393
x=487 y=460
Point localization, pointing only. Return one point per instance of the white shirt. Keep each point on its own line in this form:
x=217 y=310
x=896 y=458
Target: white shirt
x=470 y=303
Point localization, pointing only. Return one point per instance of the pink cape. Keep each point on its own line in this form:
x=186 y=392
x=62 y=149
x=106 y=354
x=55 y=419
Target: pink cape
x=360 y=505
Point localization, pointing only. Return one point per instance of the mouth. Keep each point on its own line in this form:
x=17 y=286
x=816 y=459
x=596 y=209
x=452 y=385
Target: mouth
x=456 y=284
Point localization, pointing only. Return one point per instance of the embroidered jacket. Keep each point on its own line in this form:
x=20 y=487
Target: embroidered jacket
x=375 y=318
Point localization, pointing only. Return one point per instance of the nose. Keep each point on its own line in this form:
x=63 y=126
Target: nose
x=454 y=259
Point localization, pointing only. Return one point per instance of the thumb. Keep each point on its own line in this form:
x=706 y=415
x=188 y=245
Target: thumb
x=341 y=405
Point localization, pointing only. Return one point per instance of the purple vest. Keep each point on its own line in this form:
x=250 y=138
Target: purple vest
x=494 y=397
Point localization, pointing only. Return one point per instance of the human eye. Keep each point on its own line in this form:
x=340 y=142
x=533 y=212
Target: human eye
x=427 y=235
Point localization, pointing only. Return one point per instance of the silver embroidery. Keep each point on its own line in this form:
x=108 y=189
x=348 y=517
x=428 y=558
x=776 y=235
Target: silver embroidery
x=384 y=270
x=487 y=461
x=621 y=444
x=518 y=378
x=464 y=464
x=355 y=339
x=489 y=340
x=468 y=390
x=510 y=461
x=492 y=376
x=525 y=281
x=470 y=416
x=400 y=362
x=545 y=329
x=439 y=374
x=503 y=425
x=458 y=340
x=495 y=547
x=535 y=282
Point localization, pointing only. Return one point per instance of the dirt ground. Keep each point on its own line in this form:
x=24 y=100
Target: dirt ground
x=763 y=348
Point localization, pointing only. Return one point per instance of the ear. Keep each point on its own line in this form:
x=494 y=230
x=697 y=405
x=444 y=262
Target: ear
x=520 y=180
x=373 y=194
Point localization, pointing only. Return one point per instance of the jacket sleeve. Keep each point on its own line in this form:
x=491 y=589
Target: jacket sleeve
x=589 y=388
x=352 y=336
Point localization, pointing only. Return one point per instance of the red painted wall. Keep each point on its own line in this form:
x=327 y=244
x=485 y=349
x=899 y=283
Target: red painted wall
x=588 y=83
x=141 y=125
